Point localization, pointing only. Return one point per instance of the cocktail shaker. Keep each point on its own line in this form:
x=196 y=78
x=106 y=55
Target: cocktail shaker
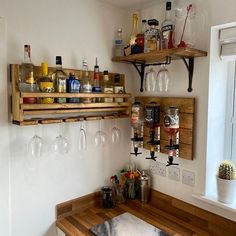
x=145 y=184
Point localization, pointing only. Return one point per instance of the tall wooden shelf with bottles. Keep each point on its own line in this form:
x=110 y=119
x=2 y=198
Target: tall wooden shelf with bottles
x=32 y=114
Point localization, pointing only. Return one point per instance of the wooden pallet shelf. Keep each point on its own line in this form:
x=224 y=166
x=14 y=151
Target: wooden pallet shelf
x=186 y=131
x=32 y=114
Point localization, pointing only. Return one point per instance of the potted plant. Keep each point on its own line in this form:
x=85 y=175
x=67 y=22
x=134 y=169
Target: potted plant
x=226 y=182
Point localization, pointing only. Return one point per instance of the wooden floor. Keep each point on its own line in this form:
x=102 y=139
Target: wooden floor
x=80 y=223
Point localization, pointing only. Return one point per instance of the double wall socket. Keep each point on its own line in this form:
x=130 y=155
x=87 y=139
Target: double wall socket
x=174 y=173
x=158 y=168
x=188 y=178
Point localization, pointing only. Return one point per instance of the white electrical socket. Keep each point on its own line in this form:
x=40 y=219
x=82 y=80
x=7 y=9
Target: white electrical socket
x=188 y=178
x=174 y=173
x=158 y=168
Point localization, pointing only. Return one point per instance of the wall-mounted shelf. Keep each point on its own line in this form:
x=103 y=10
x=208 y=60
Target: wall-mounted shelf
x=32 y=114
x=142 y=60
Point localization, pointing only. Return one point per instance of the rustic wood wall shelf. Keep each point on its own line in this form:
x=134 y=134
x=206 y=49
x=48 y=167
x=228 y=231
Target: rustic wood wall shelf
x=32 y=114
x=186 y=131
x=142 y=60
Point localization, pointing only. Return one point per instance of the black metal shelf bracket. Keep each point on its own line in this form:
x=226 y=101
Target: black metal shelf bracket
x=190 y=67
x=140 y=67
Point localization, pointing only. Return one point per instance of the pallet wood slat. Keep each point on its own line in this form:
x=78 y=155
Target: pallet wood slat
x=186 y=131
x=21 y=112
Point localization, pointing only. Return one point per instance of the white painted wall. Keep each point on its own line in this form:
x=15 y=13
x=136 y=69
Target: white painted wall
x=215 y=12
x=75 y=30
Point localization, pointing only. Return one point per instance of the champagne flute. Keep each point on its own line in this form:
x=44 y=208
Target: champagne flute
x=163 y=80
x=115 y=133
x=35 y=145
x=61 y=143
x=150 y=81
x=82 y=137
x=100 y=136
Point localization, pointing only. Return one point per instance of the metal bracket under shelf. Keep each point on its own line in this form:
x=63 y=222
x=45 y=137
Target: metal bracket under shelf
x=140 y=67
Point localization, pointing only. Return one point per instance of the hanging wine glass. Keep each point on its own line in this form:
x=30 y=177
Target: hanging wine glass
x=35 y=145
x=82 y=137
x=61 y=143
x=100 y=136
x=150 y=81
x=115 y=133
x=163 y=80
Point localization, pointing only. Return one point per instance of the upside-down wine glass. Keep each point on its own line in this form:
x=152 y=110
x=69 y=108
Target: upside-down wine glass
x=163 y=80
x=150 y=80
x=35 y=145
x=82 y=137
x=115 y=133
x=61 y=143
x=100 y=136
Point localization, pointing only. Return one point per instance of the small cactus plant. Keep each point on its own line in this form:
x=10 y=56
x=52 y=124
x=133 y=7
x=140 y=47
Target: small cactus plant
x=227 y=170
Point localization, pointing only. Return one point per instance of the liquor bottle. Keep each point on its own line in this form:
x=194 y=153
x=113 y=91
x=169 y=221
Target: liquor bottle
x=167 y=29
x=96 y=82
x=86 y=84
x=134 y=30
x=118 y=87
x=152 y=36
x=140 y=36
x=119 y=46
x=59 y=79
x=73 y=86
x=107 y=86
x=27 y=81
x=45 y=84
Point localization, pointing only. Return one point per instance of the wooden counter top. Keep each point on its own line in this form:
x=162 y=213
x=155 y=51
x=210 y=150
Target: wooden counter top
x=76 y=217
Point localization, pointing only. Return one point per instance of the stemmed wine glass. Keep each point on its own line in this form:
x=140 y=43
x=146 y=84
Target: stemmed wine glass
x=82 y=137
x=100 y=136
x=150 y=80
x=61 y=143
x=163 y=80
x=35 y=145
x=115 y=133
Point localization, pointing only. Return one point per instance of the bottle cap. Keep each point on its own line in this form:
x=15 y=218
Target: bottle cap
x=119 y=30
x=153 y=22
x=105 y=72
x=58 y=60
x=168 y=5
x=44 y=66
x=144 y=21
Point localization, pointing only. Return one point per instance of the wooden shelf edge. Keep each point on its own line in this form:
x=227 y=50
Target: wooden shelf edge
x=161 y=55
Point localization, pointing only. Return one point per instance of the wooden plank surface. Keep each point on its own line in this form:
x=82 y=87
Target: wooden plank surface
x=169 y=214
x=186 y=123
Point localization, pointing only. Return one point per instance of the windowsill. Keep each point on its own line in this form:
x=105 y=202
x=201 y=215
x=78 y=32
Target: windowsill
x=213 y=201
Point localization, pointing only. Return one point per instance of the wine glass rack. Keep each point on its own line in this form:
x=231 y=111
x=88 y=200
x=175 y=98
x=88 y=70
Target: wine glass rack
x=33 y=114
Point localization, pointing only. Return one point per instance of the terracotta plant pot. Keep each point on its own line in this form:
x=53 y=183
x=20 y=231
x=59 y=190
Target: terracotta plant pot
x=226 y=190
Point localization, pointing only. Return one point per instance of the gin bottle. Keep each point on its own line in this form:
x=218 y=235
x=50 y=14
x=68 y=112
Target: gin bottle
x=86 y=83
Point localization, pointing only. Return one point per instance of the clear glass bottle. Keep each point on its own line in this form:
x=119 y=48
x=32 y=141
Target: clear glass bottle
x=107 y=86
x=86 y=83
x=119 y=45
x=59 y=79
x=27 y=81
x=167 y=29
x=45 y=84
x=96 y=82
x=73 y=86
x=133 y=35
x=152 y=36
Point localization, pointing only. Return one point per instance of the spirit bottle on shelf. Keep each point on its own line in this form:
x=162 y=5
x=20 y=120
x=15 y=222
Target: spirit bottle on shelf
x=107 y=86
x=27 y=81
x=73 y=86
x=133 y=35
x=118 y=87
x=86 y=83
x=45 y=84
x=140 y=36
x=167 y=29
x=96 y=82
x=119 y=45
x=59 y=79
